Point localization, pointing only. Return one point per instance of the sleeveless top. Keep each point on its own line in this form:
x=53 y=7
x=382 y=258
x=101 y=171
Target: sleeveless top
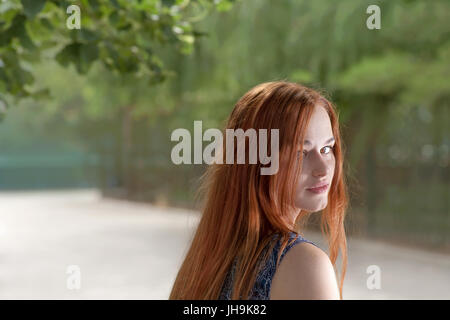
x=261 y=288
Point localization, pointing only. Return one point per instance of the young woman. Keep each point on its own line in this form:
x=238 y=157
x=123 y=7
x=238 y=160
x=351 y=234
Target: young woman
x=248 y=243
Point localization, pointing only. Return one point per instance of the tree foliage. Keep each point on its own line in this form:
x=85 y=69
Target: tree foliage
x=124 y=35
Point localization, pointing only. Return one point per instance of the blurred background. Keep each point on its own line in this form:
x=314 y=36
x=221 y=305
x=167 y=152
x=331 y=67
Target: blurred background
x=86 y=177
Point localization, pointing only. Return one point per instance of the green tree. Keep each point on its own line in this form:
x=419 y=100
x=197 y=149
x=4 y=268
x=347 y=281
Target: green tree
x=124 y=35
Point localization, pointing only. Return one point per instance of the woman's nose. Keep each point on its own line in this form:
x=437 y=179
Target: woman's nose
x=320 y=166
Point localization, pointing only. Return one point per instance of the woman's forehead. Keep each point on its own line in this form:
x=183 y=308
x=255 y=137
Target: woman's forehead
x=319 y=128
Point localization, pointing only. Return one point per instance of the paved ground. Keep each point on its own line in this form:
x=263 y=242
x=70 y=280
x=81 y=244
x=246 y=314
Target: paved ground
x=127 y=250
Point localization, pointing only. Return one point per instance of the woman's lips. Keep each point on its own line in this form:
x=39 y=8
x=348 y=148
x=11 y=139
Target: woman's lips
x=319 y=190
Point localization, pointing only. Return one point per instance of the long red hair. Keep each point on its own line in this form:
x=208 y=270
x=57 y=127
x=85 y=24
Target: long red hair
x=243 y=208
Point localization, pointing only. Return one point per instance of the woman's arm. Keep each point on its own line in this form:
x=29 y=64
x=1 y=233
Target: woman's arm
x=305 y=273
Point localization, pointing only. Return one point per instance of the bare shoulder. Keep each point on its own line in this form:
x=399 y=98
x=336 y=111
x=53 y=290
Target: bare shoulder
x=305 y=273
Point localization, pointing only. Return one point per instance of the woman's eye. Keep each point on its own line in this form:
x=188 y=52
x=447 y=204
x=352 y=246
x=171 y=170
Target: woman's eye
x=305 y=153
x=331 y=148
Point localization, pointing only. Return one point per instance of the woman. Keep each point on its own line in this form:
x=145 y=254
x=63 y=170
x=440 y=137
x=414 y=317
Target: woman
x=247 y=244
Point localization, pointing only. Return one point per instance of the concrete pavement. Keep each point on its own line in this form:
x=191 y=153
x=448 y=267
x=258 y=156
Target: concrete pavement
x=127 y=250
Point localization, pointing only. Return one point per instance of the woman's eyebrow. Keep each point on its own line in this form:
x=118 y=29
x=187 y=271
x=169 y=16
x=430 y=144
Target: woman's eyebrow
x=307 y=142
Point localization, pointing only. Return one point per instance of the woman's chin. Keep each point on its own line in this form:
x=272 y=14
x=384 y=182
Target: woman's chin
x=313 y=209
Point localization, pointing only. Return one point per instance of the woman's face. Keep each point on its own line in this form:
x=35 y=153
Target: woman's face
x=318 y=163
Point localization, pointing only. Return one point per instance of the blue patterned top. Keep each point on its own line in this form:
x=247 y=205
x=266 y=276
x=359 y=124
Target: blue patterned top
x=261 y=289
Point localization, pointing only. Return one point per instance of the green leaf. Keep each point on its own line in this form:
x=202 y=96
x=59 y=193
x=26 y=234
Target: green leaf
x=80 y=54
x=16 y=28
x=46 y=23
x=32 y=7
x=126 y=63
x=88 y=35
x=25 y=40
x=68 y=54
x=88 y=53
